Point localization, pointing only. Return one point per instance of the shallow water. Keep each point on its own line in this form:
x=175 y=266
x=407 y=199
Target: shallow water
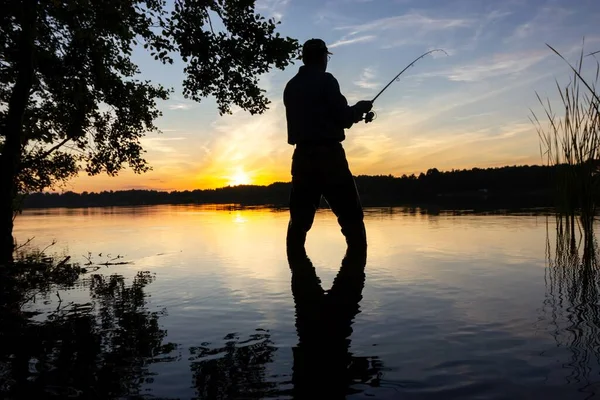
x=449 y=306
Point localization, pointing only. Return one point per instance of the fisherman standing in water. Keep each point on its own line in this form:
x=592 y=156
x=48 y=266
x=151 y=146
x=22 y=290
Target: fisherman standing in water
x=317 y=114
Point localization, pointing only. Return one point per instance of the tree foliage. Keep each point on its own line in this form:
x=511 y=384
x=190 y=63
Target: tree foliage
x=88 y=107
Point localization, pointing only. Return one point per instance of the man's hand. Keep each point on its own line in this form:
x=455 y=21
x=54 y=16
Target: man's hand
x=364 y=106
x=360 y=108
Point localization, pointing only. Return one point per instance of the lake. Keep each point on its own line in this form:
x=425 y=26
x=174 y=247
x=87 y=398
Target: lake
x=446 y=306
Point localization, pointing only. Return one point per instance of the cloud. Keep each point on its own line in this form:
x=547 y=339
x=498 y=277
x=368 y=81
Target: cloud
x=485 y=27
x=544 y=22
x=411 y=150
x=330 y=18
x=502 y=64
x=473 y=116
x=410 y=28
x=159 y=144
x=179 y=106
x=421 y=116
x=273 y=8
x=413 y=20
x=498 y=66
x=367 y=79
x=502 y=144
x=348 y=41
x=495 y=15
x=254 y=144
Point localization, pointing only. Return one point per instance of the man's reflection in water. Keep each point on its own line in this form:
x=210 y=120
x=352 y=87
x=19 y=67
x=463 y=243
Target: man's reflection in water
x=323 y=365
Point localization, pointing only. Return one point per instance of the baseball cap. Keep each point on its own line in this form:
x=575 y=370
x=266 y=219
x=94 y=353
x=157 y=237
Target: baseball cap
x=314 y=46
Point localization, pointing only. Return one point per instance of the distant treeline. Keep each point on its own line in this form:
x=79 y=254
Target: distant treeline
x=504 y=187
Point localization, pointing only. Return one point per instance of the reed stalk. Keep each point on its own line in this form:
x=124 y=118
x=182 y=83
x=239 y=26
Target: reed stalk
x=570 y=141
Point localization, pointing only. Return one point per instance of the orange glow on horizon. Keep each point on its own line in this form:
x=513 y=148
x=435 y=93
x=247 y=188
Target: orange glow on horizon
x=167 y=180
x=240 y=177
x=235 y=177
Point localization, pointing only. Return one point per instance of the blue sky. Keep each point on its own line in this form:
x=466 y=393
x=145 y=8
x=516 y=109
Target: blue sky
x=469 y=109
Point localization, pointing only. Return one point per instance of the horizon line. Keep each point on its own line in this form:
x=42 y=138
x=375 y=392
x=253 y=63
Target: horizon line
x=288 y=182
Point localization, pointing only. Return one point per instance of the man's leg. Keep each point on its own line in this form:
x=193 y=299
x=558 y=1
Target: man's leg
x=304 y=201
x=342 y=195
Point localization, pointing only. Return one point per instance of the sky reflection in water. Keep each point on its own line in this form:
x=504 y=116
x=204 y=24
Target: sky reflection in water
x=453 y=306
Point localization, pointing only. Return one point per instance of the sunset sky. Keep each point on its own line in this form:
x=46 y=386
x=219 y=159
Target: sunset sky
x=470 y=109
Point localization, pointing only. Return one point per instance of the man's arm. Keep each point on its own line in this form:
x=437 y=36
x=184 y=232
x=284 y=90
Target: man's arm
x=344 y=115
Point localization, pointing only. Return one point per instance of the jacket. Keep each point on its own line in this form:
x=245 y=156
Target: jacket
x=316 y=111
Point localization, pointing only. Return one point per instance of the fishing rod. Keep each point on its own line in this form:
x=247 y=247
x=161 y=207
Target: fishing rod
x=371 y=115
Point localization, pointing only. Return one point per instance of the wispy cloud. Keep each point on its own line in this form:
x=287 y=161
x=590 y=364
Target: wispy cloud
x=160 y=144
x=348 y=41
x=546 y=20
x=494 y=68
x=367 y=79
x=410 y=28
x=179 y=106
x=485 y=27
x=491 y=67
x=272 y=8
x=327 y=17
x=256 y=145
x=513 y=141
x=473 y=116
x=421 y=23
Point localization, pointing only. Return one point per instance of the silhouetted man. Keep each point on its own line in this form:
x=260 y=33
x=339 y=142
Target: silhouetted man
x=317 y=114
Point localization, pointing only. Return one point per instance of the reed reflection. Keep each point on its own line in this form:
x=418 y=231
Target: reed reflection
x=571 y=307
x=323 y=365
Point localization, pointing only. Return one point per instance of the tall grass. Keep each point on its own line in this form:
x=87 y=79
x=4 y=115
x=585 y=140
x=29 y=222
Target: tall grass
x=570 y=141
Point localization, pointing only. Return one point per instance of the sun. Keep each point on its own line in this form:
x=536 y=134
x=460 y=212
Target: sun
x=239 y=178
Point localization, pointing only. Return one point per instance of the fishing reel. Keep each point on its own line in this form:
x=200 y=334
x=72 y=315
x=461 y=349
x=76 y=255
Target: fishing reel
x=369 y=117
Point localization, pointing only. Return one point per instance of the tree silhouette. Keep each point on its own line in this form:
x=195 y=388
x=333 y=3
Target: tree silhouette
x=70 y=93
x=492 y=188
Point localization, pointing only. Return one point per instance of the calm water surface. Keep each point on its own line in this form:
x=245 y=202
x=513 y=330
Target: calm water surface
x=448 y=306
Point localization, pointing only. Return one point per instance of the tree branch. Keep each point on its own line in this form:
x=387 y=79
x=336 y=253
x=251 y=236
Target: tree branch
x=47 y=152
